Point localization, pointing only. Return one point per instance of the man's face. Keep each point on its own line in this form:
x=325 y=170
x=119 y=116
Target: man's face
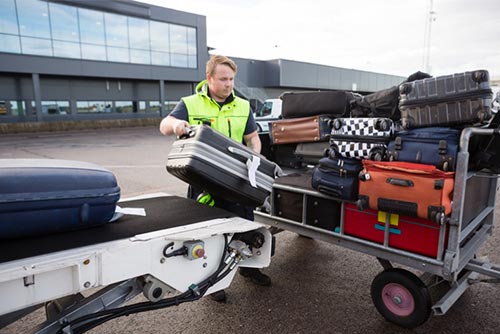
x=221 y=83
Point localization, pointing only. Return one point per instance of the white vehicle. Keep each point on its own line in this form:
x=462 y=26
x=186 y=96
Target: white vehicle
x=270 y=111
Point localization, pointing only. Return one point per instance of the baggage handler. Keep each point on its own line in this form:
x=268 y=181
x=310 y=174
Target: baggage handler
x=215 y=104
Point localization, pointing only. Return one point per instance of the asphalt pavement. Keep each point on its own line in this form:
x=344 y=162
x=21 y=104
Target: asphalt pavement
x=317 y=287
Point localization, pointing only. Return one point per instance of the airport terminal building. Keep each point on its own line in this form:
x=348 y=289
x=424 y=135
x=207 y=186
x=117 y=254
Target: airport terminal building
x=77 y=60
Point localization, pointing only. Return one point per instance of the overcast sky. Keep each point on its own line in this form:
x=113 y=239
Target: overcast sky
x=386 y=36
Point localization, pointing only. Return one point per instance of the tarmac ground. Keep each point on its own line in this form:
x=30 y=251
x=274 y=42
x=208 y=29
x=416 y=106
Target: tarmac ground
x=317 y=287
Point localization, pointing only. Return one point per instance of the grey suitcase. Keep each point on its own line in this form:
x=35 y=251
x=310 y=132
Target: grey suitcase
x=209 y=160
x=311 y=153
x=460 y=99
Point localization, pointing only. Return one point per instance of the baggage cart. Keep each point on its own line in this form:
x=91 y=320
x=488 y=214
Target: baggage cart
x=399 y=294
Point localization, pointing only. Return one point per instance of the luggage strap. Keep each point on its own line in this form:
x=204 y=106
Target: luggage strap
x=253 y=163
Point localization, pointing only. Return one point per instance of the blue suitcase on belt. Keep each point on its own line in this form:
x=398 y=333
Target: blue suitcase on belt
x=42 y=196
x=430 y=146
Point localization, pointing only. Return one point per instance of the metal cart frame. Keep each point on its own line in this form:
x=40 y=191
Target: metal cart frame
x=460 y=237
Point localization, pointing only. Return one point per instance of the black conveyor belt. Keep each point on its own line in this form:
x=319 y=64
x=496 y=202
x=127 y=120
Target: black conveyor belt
x=161 y=213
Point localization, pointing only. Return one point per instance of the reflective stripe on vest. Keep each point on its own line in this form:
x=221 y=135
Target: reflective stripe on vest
x=230 y=120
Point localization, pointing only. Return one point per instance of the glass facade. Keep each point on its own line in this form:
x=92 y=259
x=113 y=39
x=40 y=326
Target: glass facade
x=18 y=108
x=43 y=28
x=55 y=107
x=92 y=107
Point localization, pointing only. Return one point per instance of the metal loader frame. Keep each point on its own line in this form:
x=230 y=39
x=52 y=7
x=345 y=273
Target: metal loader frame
x=460 y=237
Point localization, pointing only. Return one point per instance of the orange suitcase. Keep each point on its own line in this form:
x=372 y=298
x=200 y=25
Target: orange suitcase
x=406 y=188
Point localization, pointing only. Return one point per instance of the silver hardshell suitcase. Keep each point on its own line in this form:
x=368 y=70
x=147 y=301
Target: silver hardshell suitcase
x=221 y=166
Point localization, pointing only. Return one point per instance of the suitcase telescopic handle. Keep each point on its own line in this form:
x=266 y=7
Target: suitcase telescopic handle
x=400 y=182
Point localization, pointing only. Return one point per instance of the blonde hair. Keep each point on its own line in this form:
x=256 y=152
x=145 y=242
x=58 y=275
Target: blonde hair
x=219 y=60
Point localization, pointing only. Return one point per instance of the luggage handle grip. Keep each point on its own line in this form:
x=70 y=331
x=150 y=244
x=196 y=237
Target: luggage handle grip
x=400 y=182
x=190 y=132
x=240 y=152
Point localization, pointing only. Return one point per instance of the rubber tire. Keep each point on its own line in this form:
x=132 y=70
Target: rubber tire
x=417 y=289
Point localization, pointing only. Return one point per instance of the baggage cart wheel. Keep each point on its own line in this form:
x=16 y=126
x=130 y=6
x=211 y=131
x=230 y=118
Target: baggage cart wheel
x=401 y=297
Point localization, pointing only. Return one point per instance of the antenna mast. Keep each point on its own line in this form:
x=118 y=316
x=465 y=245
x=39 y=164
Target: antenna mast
x=431 y=17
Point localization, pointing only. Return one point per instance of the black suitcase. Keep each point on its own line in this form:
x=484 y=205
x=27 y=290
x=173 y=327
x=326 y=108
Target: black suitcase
x=305 y=104
x=44 y=196
x=485 y=151
x=361 y=138
x=284 y=156
x=431 y=146
x=209 y=160
x=337 y=177
x=311 y=153
x=302 y=204
x=460 y=99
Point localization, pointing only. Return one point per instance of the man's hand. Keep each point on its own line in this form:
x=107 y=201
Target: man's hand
x=171 y=125
x=180 y=127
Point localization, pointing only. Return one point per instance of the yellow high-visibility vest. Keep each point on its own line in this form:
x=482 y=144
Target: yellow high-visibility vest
x=230 y=120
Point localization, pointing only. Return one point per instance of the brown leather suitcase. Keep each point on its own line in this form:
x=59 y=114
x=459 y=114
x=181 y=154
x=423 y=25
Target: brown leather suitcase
x=300 y=130
x=406 y=188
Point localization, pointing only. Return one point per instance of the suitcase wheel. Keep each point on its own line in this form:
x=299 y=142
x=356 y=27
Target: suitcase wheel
x=483 y=116
x=406 y=123
x=383 y=125
x=326 y=152
x=376 y=154
x=333 y=151
x=362 y=203
x=480 y=76
x=337 y=124
x=404 y=89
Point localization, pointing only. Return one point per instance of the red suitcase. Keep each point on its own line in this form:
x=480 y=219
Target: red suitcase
x=406 y=188
x=416 y=235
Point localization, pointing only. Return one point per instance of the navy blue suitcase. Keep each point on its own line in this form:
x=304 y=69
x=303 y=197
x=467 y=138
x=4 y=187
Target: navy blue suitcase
x=430 y=146
x=43 y=196
x=337 y=177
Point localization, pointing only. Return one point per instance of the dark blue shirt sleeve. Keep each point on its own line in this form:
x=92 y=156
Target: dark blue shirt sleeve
x=251 y=124
x=180 y=111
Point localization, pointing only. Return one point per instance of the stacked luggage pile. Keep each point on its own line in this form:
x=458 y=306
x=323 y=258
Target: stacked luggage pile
x=392 y=151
